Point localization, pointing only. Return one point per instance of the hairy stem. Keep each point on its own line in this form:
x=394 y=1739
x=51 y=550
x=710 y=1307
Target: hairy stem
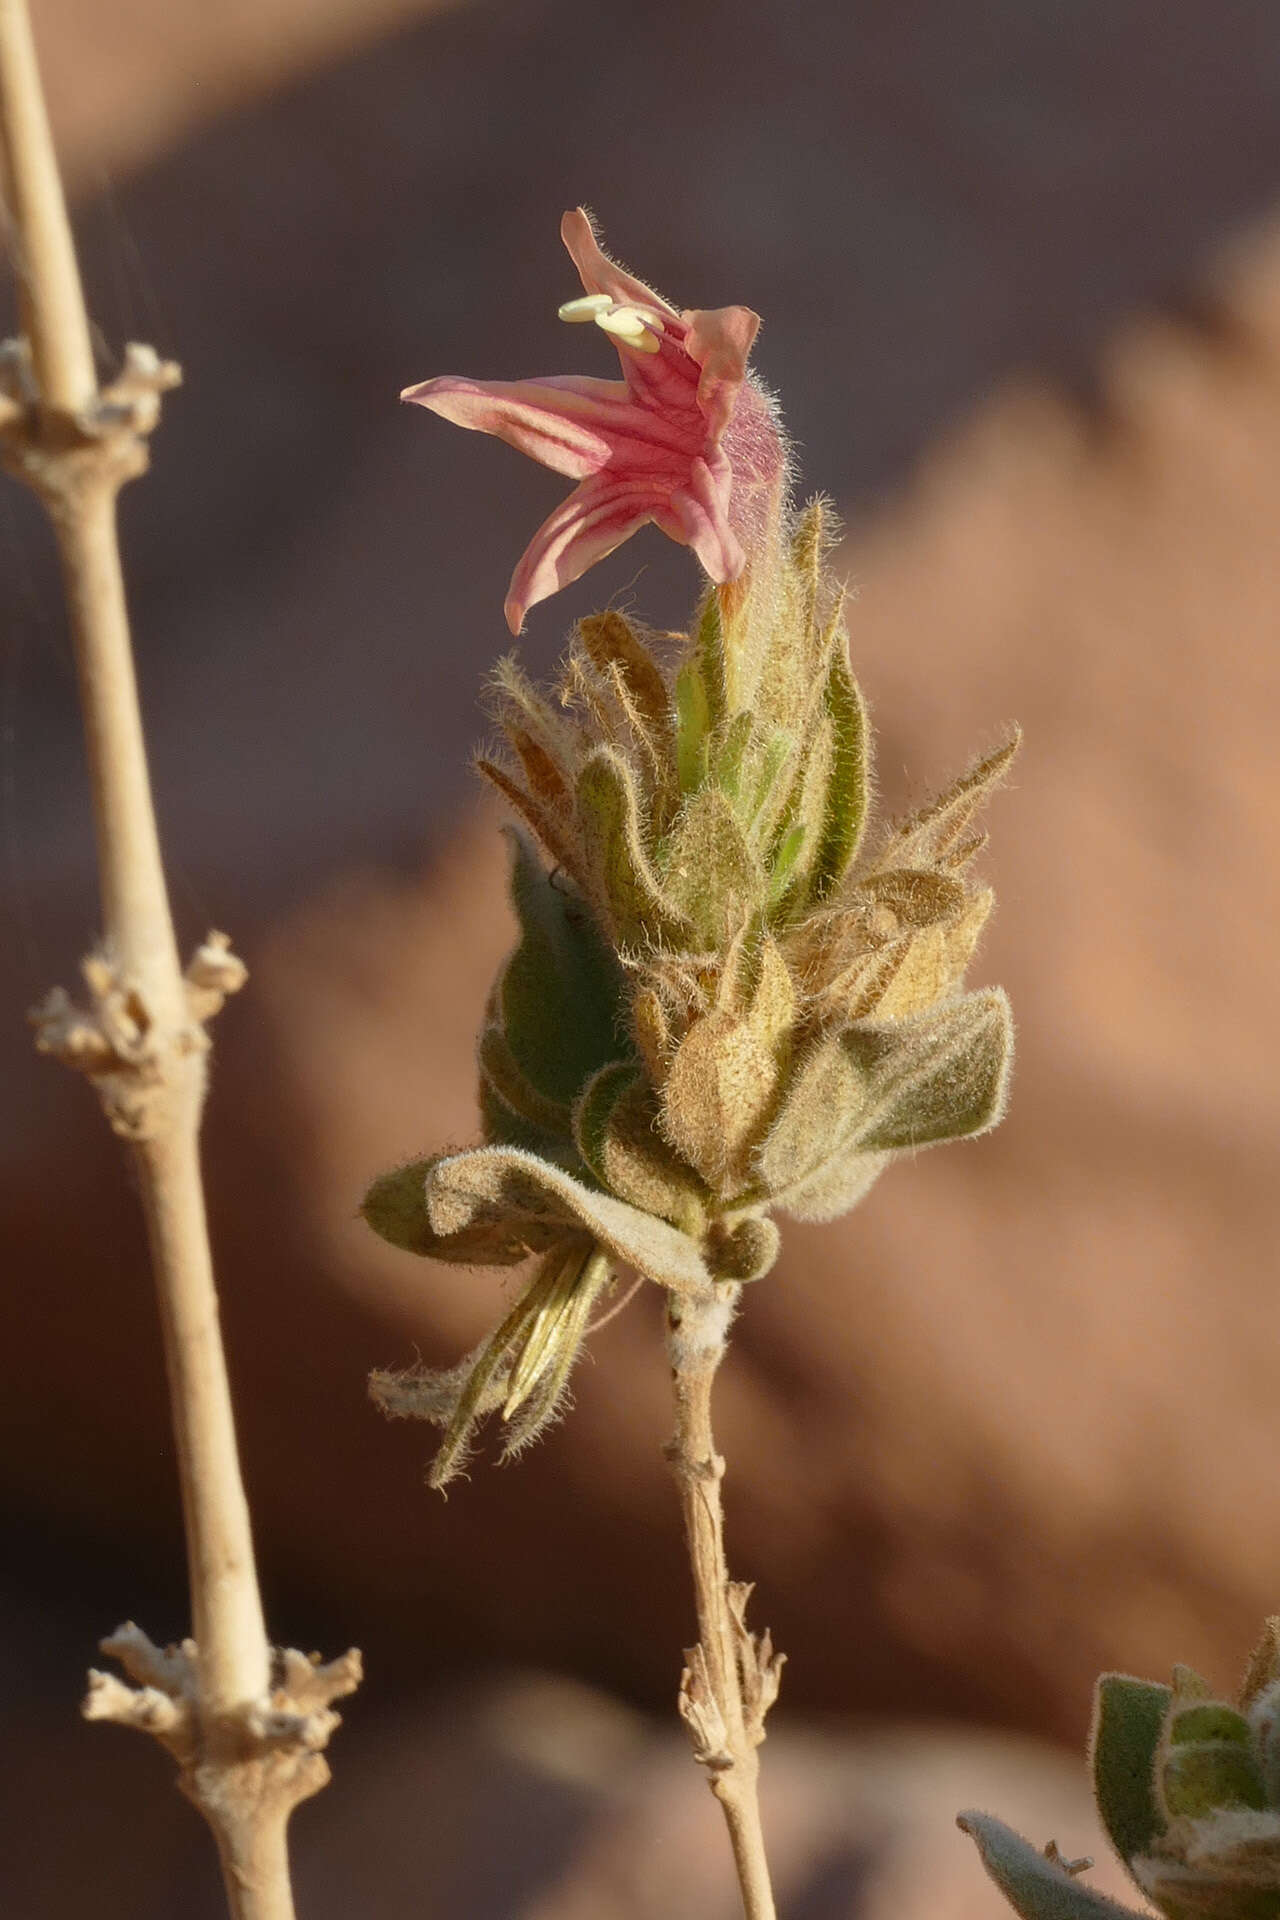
x=245 y=1759
x=730 y=1677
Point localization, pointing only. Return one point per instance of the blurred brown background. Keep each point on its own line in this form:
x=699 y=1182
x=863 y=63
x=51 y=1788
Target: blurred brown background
x=1017 y=1419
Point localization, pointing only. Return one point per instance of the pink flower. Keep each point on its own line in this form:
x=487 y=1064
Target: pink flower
x=685 y=439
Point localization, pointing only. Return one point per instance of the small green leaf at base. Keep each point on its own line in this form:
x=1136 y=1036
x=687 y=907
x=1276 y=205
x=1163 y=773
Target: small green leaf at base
x=1127 y=1718
x=1035 y=1887
x=396 y=1208
x=468 y=1190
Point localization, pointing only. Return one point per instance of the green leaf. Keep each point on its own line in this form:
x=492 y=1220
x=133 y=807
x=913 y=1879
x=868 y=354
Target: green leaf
x=612 y=642
x=783 y=863
x=715 y=1104
x=845 y=805
x=1263 y=1669
x=916 y=897
x=561 y=991
x=831 y=1189
x=710 y=874
x=1204 y=1776
x=693 y=728
x=745 y=1251
x=824 y=1099
x=396 y=1208
x=500 y=1071
x=640 y=912
x=616 y=1132
x=502 y=1183
x=768 y=791
x=938 y=1076
x=730 y=753
x=1128 y=1715
x=935 y=836
x=1035 y=1887
x=708 y=652
x=1209 y=1720
x=503 y=1126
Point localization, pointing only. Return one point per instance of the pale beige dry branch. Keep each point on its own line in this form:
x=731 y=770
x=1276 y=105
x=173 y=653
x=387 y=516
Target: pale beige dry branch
x=246 y=1725
x=730 y=1679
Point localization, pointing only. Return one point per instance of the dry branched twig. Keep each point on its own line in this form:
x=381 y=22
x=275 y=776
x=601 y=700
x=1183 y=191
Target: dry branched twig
x=245 y=1725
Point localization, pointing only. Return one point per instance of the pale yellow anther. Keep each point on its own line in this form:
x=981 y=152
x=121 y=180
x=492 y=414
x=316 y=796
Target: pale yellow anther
x=586 y=307
x=623 y=321
x=625 y=324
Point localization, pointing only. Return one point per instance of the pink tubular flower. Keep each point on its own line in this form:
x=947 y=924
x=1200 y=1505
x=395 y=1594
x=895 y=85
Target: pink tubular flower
x=685 y=439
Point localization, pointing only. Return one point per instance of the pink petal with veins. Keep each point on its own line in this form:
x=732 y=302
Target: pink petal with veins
x=598 y=273
x=521 y=412
x=597 y=517
x=720 y=341
x=704 y=522
x=684 y=439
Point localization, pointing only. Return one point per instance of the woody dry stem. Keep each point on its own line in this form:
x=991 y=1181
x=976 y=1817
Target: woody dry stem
x=246 y=1754
x=730 y=1677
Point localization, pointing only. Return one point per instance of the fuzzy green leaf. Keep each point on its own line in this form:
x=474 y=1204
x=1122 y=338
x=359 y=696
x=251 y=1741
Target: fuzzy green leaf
x=1035 y=1887
x=916 y=897
x=743 y=1252
x=561 y=991
x=637 y=907
x=1263 y=1670
x=813 y=537
x=848 y=789
x=708 y=652
x=783 y=864
x=730 y=755
x=693 y=728
x=503 y=1126
x=718 y=1092
x=766 y=795
x=615 y=1125
x=536 y=813
x=710 y=874
x=824 y=1100
x=500 y=1071
x=502 y=1183
x=936 y=835
x=939 y=1076
x=396 y=1208
x=1197 y=1893
x=834 y=1187
x=1128 y=1715
x=1209 y=1720
x=611 y=641
x=1204 y=1779
x=798 y=837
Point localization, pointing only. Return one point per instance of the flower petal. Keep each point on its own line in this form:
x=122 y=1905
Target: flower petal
x=597 y=517
x=720 y=340
x=685 y=439
x=549 y=422
x=701 y=515
x=600 y=274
